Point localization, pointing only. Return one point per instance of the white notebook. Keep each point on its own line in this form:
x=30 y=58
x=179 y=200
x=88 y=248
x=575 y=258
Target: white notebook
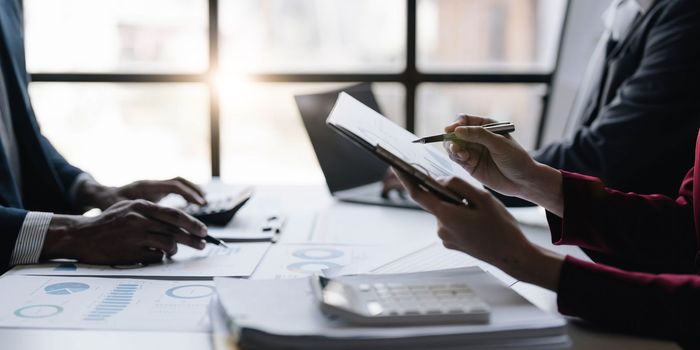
x=279 y=313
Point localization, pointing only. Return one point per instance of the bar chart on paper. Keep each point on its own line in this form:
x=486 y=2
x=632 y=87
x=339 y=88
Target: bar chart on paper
x=115 y=301
x=98 y=303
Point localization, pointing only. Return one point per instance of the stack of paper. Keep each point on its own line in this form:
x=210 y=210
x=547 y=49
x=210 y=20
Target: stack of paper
x=429 y=255
x=275 y=314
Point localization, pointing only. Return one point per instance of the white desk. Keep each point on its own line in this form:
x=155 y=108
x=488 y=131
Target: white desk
x=336 y=222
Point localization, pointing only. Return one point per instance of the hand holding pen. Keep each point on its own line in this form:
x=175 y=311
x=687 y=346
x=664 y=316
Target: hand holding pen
x=497 y=161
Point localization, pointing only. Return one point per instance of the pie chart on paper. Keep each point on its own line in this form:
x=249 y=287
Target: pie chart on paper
x=66 y=288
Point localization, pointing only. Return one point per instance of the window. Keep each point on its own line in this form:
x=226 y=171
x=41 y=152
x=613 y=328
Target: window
x=120 y=132
x=439 y=104
x=313 y=36
x=261 y=130
x=206 y=88
x=110 y=36
x=488 y=35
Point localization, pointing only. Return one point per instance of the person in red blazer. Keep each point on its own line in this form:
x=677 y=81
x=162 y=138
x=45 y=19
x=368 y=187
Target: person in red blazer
x=655 y=235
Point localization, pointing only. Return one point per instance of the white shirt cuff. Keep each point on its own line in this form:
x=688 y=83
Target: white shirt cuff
x=30 y=240
x=79 y=180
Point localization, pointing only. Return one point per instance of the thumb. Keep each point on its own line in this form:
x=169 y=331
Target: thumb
x=476 y=134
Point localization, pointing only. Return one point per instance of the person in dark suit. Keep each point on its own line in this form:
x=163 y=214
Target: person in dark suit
x=637 y=112
x=656 y=234
x=41 y=194
x=634 y=119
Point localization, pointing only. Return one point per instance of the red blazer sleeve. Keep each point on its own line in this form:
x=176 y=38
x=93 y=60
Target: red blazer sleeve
x=654 y=231
x=665 y=306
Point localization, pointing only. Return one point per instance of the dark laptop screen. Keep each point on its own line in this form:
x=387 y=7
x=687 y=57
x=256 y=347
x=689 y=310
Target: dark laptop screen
x=344 y=164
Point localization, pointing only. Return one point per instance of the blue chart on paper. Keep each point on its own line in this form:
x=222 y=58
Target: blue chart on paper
x=38 y=311
x=117 y=300
x=311 y=266
x=66 y=288
x=190 y=291
x=317 y=253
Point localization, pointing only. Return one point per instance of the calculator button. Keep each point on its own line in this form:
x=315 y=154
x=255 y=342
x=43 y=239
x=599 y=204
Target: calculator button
x=455 y=310
x=437 y=287
x=452 y=306
x=433 y=310
x=447 y=293
x=365 y=287
x=418 y=288
x=384 y=295
x=374 y=308
x=401 y=293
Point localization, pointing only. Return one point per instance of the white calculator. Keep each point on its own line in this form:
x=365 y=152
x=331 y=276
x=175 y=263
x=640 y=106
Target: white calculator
x=400 y=303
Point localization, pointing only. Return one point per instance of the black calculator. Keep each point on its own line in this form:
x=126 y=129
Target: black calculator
x=219 y=210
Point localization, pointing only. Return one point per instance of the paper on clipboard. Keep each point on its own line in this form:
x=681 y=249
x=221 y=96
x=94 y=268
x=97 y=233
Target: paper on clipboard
x=360 y=120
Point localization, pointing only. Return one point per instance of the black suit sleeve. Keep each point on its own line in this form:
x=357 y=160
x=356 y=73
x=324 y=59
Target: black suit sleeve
x=648 y=130
x=67 y=173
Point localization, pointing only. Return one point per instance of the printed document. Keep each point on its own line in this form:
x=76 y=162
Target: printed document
x=292 y=260
x=105 y=303
x=239 y=260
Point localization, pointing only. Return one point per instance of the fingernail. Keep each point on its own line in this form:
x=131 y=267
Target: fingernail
x=201 y=245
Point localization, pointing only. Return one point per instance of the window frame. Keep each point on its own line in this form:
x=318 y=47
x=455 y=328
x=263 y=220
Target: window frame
x=410 y=78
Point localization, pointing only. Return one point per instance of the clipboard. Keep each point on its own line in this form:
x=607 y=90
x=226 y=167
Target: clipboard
x=409 y=167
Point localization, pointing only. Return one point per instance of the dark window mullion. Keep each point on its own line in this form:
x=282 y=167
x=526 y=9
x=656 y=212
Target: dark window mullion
x=411 y=76
x=404 y=77
x=214 y=108
x=117 y=78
